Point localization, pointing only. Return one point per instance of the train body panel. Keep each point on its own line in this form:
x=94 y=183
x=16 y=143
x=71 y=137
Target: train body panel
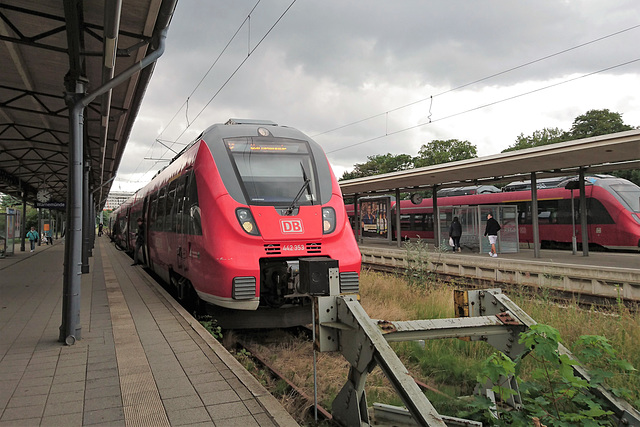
x=613 y=214
x=231 y=216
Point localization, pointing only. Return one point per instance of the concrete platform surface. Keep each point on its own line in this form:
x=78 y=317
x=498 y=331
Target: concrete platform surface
x=141 y=360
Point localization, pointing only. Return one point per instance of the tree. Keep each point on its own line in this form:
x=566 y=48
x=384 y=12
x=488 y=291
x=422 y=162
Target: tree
x=378 y=164
x=591 y=123
x=597 y=122
x=538 y=138
x=7 y=201
x=440 y=151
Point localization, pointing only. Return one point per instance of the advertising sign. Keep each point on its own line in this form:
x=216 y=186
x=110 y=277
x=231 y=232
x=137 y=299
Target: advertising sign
x=375 y=217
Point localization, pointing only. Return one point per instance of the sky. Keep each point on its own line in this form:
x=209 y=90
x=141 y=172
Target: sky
x=364 y=78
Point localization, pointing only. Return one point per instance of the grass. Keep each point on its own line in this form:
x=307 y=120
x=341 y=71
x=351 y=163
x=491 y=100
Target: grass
x=450 y=366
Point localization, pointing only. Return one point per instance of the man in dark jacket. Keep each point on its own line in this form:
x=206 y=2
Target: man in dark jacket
x=491 y=231
x=455 y=231
x=139 y=241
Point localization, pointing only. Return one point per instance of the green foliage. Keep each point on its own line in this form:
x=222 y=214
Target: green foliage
x=553 y=393
x=597 y=122
x=417 y=270
x=538 y=138
x=211 y=325
x=7 y=201
x=441 y=151
x=379 y=164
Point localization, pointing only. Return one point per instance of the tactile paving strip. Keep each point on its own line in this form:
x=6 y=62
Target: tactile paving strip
x=141 y=400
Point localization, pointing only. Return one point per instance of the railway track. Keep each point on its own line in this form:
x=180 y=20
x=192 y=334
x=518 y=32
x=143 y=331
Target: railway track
x=257 y=346
x=260 y=348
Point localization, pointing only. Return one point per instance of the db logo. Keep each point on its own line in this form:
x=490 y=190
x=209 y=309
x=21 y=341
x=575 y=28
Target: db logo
x=291 y=226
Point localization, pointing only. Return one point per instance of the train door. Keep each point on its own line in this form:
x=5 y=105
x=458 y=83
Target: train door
x=170 y=223
x=145 y=221
x=152 y=218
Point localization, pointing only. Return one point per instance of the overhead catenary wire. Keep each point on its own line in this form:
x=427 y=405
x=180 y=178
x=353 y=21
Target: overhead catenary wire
x=480 y=80
x=485 y=105
x=233 y=73
x=185 y=104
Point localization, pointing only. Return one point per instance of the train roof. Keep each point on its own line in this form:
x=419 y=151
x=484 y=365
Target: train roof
x=471 y=189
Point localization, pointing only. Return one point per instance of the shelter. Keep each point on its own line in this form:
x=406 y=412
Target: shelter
x=74 y=75
x=589 y=155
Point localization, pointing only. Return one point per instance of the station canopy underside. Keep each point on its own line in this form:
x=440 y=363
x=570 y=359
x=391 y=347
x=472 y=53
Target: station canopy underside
x=45 y=48
x=599 y=154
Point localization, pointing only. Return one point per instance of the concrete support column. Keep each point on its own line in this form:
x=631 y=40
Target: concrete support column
x=436 y=218
x=534 y=215
x=398 y=231
x=584 y=225
x=38 y=228
x=24 y=222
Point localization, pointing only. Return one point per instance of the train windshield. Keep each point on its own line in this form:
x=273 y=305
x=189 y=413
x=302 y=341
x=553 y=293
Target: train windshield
x=630 y=193
x=273 y=171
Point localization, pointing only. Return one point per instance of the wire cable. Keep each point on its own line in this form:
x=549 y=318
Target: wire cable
x=186 y=102
x=481 y=80
x=487 y=105
x=235 y=71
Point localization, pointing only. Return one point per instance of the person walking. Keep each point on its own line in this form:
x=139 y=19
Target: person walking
x=32 y=235
x=455 y=231
x=491 y=231
x=139 y=241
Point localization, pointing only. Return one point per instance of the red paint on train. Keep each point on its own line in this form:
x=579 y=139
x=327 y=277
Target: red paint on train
x=223 y=220
x=613 y=213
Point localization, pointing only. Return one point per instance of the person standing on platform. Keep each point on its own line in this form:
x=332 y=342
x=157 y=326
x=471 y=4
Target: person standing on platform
x=139 y=241
x=491 y=231
x=32 y=235
x=455 y=231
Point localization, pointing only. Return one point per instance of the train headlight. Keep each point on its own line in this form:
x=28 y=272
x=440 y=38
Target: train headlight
x=328 y=220
x=246 y=221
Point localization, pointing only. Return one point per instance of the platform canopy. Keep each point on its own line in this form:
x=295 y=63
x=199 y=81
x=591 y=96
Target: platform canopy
x=599 y=154
x=47 y=46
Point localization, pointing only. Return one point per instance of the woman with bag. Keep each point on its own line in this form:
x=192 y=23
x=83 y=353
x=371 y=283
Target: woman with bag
x=455 y=231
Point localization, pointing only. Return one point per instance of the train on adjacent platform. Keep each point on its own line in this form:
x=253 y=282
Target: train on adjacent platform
x=228 y=220
x=613 y=212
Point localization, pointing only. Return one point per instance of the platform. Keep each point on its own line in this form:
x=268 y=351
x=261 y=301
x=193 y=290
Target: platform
x=141 y=360
x=607 y=274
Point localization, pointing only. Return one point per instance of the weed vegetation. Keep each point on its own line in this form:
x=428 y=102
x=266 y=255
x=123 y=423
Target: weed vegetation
x=451 y=367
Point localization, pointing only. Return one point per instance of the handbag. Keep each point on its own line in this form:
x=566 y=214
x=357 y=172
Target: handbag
x=451 y=241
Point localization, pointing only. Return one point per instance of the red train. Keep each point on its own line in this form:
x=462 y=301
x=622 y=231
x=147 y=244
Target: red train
x=229 y=218
x=613 y=212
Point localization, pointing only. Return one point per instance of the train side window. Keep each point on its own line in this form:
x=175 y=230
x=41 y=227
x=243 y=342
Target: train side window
x=405 y=222
x=162 y=197
x=153 y=211
x=193 y=206
x=170 y=208
x=178 y=207
x=597 y=213
x=419 y=222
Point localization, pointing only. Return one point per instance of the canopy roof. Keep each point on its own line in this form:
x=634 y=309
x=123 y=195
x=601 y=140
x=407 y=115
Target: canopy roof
x=597 y=155
x=45 y=48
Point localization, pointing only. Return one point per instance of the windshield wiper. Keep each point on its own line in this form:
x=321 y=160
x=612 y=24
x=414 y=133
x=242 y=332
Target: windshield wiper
x=305 y=185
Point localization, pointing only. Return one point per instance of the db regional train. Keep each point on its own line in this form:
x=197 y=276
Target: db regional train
x=613 y=211
x=228 y=220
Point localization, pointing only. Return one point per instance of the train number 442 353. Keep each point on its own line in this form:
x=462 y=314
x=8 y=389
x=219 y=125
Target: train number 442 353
x=293 y=248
